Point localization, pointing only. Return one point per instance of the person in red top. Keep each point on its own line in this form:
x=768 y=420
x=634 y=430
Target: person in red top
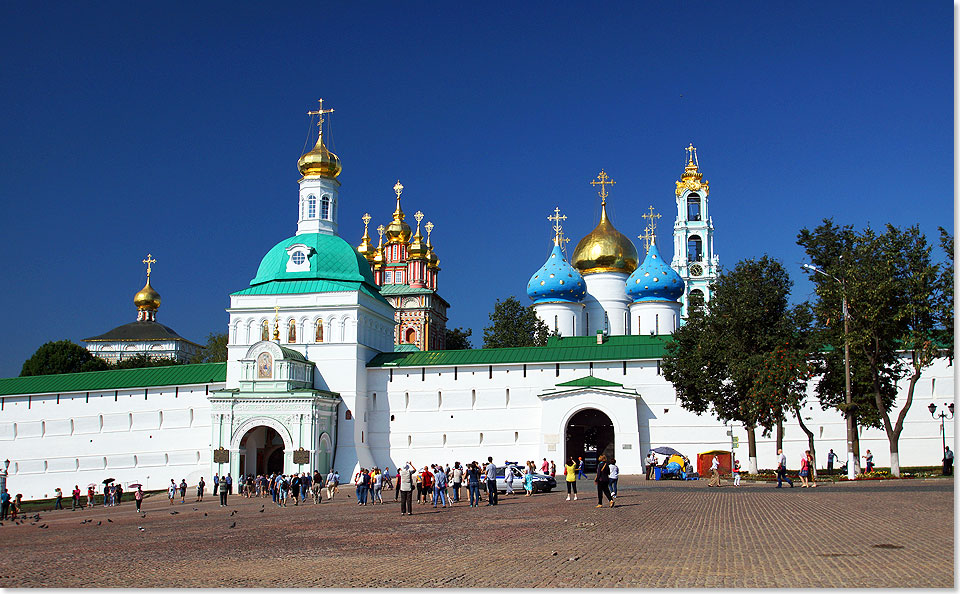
x=427 y=480
x=76 y=497
x=91 y=495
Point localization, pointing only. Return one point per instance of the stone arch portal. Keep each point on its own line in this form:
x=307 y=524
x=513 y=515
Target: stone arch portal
x=588 y=434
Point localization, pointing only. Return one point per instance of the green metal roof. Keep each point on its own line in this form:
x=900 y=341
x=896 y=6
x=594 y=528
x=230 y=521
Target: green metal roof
x=589 y=382
x=403 y=290
x=118 y=379
x=557 y=350
x=405 y=348
x=296 y=287
x=333 y=259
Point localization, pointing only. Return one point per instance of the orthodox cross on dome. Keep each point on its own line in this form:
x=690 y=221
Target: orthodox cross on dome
x=398 y=189
x=564 y=240
x=650 y=233
x=380 y=230
x=557 y=218
x=150 y=260
x=366 y=218
x=692 y=155
x=603 y=180
x=319 y=112
x=429 y=228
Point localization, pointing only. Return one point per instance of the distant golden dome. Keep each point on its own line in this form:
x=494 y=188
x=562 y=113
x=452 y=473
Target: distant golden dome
x=147 y=299
x=319 y=162
x=605 y=250
x=433 y=262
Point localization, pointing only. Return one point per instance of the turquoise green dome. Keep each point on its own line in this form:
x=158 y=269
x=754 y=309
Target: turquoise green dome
x=331 y=258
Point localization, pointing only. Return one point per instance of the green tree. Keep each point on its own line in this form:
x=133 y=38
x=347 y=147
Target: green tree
x=945 y=305
x=457 y=339
x=215 y=351
x=62 y=356
x=894 y=292
x=514 y=325
x=143 y=360
x=716 y=359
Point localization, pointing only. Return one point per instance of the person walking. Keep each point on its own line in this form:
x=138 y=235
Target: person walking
x=831 y=456
x=295 y=488
x=553 y=469
x=223 y=491
x=580 y=472
x=491 y=474
x=782 y=470
x=396 y=494
x=714 y=472
x=570 y=473
x=183 y=490
x=91 y=496
x=614 y=476
x=138 y=497
x=216 y=483
x=804 y=470
x=603 y=481
x=200 y=487
x=229 y=484
x=330 y=485
x=171 y=491
x=4 y=504
x=508 y=478
x=528 y=482
x=545 y=467
x=869 y=460
x=811 y=469
x=440 y=488
x=76 y=497
x=119 y=494
x=736 y=473
x=405 y=481
x=473 y=484
x=58 y=503
x=947 y=462
x=456 y=480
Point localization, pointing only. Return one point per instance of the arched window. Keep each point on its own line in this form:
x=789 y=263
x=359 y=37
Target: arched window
x=325 y=208
x=311 y=207
x=693 y=207
x=694 y=248
x=411 y=336
x=292 y=331
x=556 y=323
x=265 y=330
x=319 y=331
x=696 y=300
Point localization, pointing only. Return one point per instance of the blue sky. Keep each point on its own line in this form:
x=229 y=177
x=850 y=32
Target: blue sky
x=175 y=129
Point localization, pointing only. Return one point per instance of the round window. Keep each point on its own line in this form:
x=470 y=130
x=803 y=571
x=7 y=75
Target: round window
x=298 y=258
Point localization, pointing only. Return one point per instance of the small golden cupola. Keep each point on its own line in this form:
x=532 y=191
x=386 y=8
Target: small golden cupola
x=692 y=178
x=605 y=249
x=319 y=162
x=418 y=248
x=378 y=257
x=433 y=262
x=147 y=299
x=398 y=231
x=366 y=248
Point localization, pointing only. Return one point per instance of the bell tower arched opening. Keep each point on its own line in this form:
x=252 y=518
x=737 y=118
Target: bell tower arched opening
x=588 y=434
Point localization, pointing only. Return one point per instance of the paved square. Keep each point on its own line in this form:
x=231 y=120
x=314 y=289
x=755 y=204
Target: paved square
x=670 y=533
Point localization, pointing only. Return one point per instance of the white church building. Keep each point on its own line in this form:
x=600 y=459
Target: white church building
x=314 y=380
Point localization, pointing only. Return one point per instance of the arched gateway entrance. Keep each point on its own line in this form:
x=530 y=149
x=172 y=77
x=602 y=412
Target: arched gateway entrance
x=261 y=451
x=589 y=433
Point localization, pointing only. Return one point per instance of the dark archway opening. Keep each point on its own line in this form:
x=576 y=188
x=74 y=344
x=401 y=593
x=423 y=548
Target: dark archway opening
x=589 y=434
x=261 y=451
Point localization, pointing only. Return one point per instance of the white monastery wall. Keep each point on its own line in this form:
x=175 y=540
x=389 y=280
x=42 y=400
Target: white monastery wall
x=81 y=438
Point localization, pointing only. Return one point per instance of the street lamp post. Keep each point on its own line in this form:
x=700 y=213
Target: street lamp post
x=942 y=416
x=852 y=462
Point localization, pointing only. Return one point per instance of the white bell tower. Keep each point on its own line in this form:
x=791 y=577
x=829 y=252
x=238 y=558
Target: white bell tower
x=693 y=255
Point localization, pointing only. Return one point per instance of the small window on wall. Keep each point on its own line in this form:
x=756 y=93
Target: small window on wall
x=325 y=208
x=311 y=207
x=693 y=207
x=388 y=278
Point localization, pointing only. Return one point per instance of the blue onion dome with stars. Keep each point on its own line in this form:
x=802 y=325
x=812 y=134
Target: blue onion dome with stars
x=654 y=279
x=556 y=280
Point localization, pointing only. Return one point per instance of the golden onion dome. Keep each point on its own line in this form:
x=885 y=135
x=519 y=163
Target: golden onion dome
x=398 y=231
x=605 y=249
x=418 y=249
x=319 y=162
x=147 y=299
x=366 y=248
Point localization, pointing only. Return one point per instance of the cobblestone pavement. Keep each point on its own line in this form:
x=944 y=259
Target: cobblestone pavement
x=670 y=533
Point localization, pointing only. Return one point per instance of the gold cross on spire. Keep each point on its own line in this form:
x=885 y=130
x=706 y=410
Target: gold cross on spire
x=650 y=233
x=429 y=228
x=319 y=112
x=692 y=155
x=366 y=218
x=419 y=216
x=604 y=181
x=556 y=217
x=380 y=230
x=148 y=262
x=563 y=241
x=398 y=189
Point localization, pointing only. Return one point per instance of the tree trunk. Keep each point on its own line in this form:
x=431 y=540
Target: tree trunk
x=779 y=434
x=813 y=451
x=893 y=431
x=856 y=447
x=752 y=449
